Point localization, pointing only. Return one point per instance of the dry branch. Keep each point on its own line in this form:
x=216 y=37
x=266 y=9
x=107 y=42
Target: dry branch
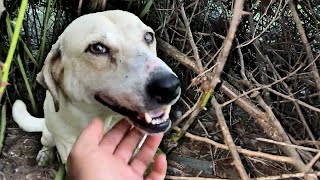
x=261 y=118
x=288 y=176
x=267 y=119
x=282 y=176
x=312 y=162
x=177 y=55
x=297 y=106
x=282 y=134
x=228 y=139
x=240 y=150
x=191 y=178
x=285 y=31
x=307 y=142
x=313 y=66
x=271 y=126
x=222 y=59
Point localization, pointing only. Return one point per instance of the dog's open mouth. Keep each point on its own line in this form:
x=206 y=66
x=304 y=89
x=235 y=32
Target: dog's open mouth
x=155 y=121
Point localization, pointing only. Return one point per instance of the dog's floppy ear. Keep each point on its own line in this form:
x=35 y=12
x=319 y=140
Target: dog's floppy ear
x=51 y=73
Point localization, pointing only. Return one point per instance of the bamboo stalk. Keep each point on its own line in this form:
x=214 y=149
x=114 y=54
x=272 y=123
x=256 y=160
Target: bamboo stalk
x=13 y=45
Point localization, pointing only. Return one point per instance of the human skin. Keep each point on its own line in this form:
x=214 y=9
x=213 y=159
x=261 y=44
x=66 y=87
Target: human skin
x=101 y=156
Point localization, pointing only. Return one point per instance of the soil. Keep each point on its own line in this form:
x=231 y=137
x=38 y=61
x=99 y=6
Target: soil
x=18 y=158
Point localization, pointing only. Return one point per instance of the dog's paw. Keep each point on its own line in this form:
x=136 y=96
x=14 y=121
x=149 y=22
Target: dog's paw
x=45 y=156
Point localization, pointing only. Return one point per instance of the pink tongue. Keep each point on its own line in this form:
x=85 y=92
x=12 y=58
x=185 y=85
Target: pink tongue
x=156 y=113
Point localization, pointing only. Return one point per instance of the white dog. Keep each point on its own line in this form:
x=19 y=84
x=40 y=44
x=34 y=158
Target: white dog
x=103 y=65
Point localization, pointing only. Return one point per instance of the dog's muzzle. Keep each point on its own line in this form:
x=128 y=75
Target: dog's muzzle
x=162 y=91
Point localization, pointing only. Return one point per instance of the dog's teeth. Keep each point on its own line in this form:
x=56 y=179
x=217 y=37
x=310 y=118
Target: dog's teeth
x=148 y=118
x=157 y=121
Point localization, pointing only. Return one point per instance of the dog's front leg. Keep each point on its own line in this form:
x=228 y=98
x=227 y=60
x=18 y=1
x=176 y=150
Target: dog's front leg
x=46 y=154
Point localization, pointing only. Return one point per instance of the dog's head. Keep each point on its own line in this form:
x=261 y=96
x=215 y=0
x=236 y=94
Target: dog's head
x=109 y=58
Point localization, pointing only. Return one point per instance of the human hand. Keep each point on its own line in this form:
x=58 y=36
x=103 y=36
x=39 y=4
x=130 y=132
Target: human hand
x=100 y=156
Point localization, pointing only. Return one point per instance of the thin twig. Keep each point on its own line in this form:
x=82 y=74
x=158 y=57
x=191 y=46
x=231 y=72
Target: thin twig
x=79 y=7
x=286 y=144
x=293 y=99
x=275 y=17
x=190 y=37
x=262 y=87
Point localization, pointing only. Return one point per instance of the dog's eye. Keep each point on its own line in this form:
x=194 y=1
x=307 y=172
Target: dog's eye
x=98 y=48
x=148 y=37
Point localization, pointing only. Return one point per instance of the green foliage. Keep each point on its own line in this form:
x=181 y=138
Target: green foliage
x=22 y=70
x=40 y=27
x=146 y=8
x=48 y=12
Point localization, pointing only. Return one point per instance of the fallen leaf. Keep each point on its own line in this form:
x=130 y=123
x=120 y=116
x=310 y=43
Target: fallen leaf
x=2 y=8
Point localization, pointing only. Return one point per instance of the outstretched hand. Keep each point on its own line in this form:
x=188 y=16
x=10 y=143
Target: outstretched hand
x=100 y=156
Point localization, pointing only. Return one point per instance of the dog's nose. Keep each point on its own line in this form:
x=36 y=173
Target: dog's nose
x=163 y=88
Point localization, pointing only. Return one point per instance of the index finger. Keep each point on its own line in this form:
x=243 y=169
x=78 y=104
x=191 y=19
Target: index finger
x=141 y=161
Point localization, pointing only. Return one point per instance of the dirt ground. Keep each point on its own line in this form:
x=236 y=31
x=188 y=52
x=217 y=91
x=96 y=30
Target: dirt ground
x=18 y=158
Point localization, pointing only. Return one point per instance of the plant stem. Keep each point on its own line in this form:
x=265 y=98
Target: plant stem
x=61 y=172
